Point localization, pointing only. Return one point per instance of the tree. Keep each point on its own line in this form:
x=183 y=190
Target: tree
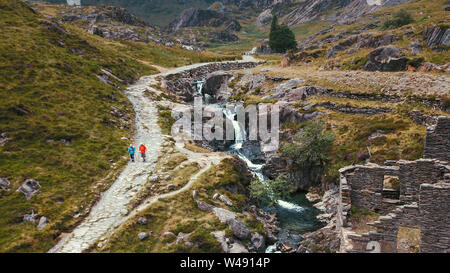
x=281 y=38
x=270 y=191
x=312 y=146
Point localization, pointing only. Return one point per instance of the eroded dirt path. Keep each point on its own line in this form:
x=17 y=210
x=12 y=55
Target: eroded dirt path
x=111 y=211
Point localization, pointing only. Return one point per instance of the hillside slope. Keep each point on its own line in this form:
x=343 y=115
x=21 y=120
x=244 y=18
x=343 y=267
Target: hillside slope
x=64 y=120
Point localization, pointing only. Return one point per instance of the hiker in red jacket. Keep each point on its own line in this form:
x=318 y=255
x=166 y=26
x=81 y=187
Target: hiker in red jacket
x=143 y=149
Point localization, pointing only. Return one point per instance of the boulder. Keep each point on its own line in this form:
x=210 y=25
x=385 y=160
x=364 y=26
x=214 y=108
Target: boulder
x=31 y=217
x=257 y=242
x=216 y=195
x=225 y=199
x=4 y=183
x=43 y=221
x=194 y=194
x=142 y=236
x=3 y=139
x=228 y=246
x=386 y=59
x=216 y=85
x=203 y=206
x=142 y=221
x=29 y=188
x=223 y=214
x=238 y=228
x=153 y=178
x=170 y=187
x=437 y=35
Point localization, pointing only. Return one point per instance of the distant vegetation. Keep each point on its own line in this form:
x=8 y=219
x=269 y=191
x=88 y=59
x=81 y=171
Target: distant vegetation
x=400 y=18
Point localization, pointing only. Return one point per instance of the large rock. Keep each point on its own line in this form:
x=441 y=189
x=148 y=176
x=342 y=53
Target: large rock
x=216 y=85
x=3 y=138
x=4 y=183
x=228 y=246
x=437 y=35
x=223 y=214
x=142 y=236
x=203 y=206
x=252 y=81
x=42 y=222
x=29 y=188
x=257 y=242
x=225 y=199
x=238 y=228
x=386 y=59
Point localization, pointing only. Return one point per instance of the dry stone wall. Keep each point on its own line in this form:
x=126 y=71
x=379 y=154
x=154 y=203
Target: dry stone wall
x=437 y=144
x=181 y=83
x=423 y=200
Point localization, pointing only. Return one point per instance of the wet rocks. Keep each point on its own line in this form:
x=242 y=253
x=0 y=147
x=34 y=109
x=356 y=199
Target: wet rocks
x=43 y=221
x=29 y=188
x=4 y=183
x=386 y=59
x=257 y=242
x=216 y=85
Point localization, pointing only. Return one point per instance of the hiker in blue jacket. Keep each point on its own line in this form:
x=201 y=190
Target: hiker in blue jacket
x=131 y=151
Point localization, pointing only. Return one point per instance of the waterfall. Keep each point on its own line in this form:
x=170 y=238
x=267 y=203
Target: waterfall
x=294 y=215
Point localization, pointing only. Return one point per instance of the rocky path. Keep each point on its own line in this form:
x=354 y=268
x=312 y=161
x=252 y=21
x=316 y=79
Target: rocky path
x=111 y=211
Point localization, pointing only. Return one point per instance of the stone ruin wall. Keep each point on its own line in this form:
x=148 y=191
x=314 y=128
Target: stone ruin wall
x=423 y=203
x=438 y=140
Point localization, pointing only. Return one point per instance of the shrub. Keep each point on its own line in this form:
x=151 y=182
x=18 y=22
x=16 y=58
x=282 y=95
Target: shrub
x=400 y=18
x=311 y=147
x=270 y=191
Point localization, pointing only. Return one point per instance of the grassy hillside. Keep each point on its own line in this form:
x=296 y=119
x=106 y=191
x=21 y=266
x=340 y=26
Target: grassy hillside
x=56 y=111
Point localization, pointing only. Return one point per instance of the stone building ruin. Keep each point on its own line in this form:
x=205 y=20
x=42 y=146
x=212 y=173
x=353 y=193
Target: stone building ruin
x=421 y=202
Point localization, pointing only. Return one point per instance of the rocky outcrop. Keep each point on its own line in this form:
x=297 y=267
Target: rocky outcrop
x=216 y=85
x=367 y=40
x=29 y=188
x=436 y=36
x=194 y=17
x=341 y=10
x=264 y=18
x=386 y=59
x=4 y=183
